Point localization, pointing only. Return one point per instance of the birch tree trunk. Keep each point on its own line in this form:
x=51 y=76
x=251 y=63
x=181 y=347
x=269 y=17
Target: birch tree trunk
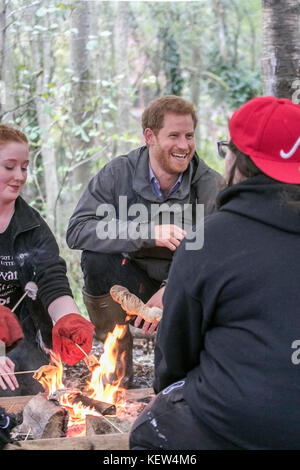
x=281 y=47
x=195 y=87
x=219 y=11
x=3 y=7
x=42 y=54
x=80 y=22
x=121 y=34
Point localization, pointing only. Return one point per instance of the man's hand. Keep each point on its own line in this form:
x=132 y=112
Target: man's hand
x=154 y=301
x=7 y=367
x=71 y=330
x=169 y=236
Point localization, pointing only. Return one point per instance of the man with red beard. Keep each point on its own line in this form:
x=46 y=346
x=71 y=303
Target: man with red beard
x=136 y=252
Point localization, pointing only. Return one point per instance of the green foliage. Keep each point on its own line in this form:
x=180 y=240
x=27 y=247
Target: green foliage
x=171 y=61
x=241 y=85
x=174 y=47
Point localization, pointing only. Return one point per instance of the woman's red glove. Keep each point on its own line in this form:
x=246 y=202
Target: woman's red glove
x=10 y=329
x=71 y=329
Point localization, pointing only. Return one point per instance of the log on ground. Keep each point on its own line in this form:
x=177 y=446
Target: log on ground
x=102 y=442
x=44 y=418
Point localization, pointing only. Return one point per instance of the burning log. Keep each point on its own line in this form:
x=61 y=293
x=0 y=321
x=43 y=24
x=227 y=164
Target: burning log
x=44 y=418
x=99 y=406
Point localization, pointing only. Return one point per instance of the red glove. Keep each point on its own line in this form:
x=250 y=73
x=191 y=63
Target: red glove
x=71 y=329
x=10 y=329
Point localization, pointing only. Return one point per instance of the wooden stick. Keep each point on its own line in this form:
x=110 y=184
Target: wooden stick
x=113 y=425
x=80 y=349
x=20 y=372
x=19 y=301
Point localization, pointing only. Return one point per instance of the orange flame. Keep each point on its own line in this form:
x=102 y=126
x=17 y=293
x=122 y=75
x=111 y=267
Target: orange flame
x=50 y=377
x=105 y=383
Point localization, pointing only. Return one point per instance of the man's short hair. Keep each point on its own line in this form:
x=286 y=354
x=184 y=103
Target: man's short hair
x=10 y=134
x=153 y=115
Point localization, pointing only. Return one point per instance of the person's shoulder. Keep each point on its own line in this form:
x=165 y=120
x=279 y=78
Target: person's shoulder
x=29 y=219
x=23 y=208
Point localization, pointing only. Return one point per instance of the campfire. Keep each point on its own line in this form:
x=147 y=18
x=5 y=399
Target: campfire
x=103 y=394
x=100 y=407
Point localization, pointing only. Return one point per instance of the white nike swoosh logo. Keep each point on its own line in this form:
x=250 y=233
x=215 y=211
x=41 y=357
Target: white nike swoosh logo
x=291 y=152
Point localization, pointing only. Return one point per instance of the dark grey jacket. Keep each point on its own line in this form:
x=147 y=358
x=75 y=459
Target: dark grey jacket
x=128 y=175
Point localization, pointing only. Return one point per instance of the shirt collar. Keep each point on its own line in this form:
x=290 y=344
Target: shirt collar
x=155 y=186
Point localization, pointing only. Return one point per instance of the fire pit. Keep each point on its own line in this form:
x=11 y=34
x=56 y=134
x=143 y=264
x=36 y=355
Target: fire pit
x=103 y=410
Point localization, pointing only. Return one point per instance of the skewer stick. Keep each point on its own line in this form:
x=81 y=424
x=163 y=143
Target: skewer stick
x=19 y=301
x=20 y=372
x=79 y=347
x=113 y=425
x=31 y=290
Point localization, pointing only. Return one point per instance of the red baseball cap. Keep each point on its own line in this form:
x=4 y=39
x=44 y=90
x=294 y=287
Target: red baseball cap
x=268 y=130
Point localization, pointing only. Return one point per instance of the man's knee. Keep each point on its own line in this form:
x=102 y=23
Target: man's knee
x=96 y=264
x=100 y=271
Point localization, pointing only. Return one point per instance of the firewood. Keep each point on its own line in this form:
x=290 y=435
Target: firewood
x=44 y=418
x=116 y=441
x=99 y=425
x=99 y=406
x=62 y=391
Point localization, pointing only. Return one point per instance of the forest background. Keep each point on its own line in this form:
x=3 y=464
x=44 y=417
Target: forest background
x=75 y=76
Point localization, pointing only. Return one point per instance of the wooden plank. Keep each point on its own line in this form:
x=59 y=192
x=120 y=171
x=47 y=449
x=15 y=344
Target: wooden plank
x=14 y=404
x=17 y=404
x=101 y=442
x=118 y=441
x=96 y=425
x=137 y=393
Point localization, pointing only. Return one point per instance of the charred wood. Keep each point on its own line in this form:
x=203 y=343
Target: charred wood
x=99 y=406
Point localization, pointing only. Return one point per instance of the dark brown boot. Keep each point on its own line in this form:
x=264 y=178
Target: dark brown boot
x=105 y=314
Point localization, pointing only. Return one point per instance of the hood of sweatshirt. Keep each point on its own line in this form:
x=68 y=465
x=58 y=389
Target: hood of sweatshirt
x=262 y=199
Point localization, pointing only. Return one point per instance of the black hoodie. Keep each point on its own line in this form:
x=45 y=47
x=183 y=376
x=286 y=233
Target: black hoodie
x=232 y=320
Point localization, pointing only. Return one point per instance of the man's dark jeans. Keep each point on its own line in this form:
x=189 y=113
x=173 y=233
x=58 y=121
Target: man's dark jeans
x=102 y=270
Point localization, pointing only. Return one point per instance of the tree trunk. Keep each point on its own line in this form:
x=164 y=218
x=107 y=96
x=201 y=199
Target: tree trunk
x=219 y=10
x=3 y=7
x=80 y=22
x=42 y=54
x=281 y=47
x=195 y=87
x=121 y=34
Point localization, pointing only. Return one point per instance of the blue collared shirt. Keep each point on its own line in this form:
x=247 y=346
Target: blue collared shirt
x=155 y=186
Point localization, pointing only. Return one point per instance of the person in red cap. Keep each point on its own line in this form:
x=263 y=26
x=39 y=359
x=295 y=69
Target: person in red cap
x=227 y=366
x=29 y=252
